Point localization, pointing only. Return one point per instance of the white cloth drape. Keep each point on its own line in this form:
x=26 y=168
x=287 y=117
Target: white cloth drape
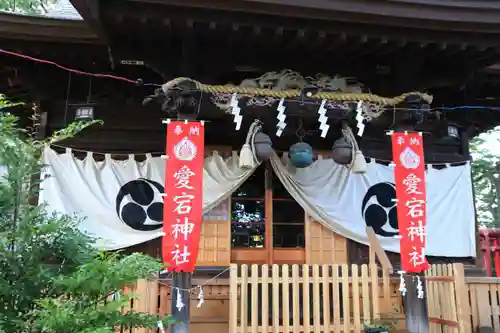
x=334 y=196
x=102 y=193
x=91 y=190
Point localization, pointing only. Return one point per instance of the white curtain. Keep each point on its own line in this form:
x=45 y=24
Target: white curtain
x=120 y=200
x=346 y=202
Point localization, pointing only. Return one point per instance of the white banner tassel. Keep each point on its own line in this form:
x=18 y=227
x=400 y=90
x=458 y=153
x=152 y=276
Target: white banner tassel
x=179 y=304
x=420 y=288
x=201 y=297
x=402 y=284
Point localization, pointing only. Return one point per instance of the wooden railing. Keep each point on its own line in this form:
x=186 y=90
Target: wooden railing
x=304 y=298
x=459 y=304
x=312 y=298
x=483 y=308
x=446 y=298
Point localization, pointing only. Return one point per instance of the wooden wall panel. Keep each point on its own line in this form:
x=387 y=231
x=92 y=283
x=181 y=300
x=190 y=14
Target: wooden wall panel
x=323 y=246
x=215 y=237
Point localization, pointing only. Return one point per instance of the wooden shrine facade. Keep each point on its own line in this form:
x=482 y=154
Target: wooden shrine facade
x=225 y=43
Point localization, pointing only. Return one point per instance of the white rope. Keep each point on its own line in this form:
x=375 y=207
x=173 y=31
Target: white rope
x=195 y=287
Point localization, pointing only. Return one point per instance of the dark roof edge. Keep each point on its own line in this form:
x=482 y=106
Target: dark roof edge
x=48 y=29
x=444 y=13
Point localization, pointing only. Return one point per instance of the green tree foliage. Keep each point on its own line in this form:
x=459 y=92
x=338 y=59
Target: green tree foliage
x=51 y=277
x=485 y=176
x=26 y=6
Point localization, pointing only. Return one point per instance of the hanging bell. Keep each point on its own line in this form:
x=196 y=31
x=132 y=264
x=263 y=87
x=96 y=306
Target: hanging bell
x=301 y=155
x=342 y=151
x=263 y=146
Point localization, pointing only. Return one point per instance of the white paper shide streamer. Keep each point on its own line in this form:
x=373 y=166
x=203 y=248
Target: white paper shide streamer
x=179 y=304
x=235 y=111
x=402 y=284
x=323 y=126
x=281 y=118
x=201 y=297
x=359 y=118
x=420 y=288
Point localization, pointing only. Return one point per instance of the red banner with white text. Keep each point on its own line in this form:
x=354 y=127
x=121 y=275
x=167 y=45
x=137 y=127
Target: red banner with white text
x=409 y=176
x=183 y=203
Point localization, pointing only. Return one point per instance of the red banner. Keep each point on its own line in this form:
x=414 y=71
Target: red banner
x=183 y=203
x=409 y=176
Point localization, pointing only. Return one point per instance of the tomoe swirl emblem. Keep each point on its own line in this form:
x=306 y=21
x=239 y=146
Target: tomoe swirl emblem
x=185 y=150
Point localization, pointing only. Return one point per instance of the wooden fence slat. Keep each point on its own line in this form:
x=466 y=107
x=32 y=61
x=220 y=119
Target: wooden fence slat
x=484 y=305
x=316 y=303
x=254 y=278
x=244 y=299
x=336 y=297
x=125 y=309
x=365 y=288
x=276 y=299
x=295 y=299
x=436 y=300
x=375 y=293
x=325 y=272
x=473 y=306
x=153 y=300
x=432 y=296
x=444 y=298
x=133 y=303
x=345 y=298
x=386 y=291
x=286 y=302
x=462 y=298
x=355 y=298
x=265 y=298
x=453 y=303
x=306 y=298
x=233 y=299
x=494 y=307
x=145 y=301
x=428 y=297
x=164 y=300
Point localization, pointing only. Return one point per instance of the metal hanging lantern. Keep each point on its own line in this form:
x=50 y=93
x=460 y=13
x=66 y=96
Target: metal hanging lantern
x=263 y=146
x=342 y=151
x=301 y=155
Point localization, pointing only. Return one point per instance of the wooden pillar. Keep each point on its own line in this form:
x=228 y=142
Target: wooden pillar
x=182 y=281
x=269 y=213
x=416 y=316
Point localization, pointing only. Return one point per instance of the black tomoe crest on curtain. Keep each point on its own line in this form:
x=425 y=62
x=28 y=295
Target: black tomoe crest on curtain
x=379 y=209
x=139 y=204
